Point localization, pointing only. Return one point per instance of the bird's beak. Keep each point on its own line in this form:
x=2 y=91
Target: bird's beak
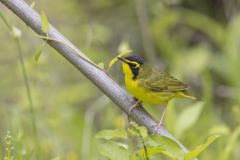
x=122 y=59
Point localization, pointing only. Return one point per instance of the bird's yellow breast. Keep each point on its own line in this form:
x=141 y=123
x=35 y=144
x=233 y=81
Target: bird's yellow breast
x=143 y=94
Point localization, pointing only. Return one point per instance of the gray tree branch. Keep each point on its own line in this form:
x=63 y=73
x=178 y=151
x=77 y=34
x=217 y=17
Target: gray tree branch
x=84 y=65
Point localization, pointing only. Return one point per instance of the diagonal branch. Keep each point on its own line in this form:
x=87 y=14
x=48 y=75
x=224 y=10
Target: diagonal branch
x=84 y=65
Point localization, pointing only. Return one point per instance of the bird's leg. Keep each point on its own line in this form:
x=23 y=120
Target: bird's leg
x=162 y=117
x=136 y=103
x=161 y=120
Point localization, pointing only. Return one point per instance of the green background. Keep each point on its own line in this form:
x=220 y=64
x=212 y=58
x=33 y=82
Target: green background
x=196 y=41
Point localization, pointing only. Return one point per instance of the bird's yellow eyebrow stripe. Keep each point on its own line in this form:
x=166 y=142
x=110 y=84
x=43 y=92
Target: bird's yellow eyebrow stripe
x=132 y=62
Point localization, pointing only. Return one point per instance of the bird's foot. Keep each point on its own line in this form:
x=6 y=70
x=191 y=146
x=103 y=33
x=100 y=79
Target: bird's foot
x=157 y=127
x=160 y=124
x=136 y=103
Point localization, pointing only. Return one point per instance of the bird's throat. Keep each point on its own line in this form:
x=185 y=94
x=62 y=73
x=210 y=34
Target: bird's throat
x=130 y=72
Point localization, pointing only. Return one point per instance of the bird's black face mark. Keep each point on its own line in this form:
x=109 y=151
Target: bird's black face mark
x=135 y=71
x=135 y=62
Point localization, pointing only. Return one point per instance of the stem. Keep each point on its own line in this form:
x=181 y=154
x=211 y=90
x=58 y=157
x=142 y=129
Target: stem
x=26 y=82
x=29 y=94
x=144 y=145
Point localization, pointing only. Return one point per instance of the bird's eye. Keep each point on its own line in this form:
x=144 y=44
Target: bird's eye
x=134 y=65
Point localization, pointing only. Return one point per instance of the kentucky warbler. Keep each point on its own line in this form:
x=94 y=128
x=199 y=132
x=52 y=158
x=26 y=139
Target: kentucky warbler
x=149 y=85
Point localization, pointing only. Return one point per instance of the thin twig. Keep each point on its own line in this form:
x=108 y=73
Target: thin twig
x=144 y=145
x=29 y=96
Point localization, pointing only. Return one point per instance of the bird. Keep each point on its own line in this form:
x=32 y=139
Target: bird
x=151 y=86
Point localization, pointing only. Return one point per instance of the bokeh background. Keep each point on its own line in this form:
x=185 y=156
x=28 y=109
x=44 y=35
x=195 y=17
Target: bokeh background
x=197 y=41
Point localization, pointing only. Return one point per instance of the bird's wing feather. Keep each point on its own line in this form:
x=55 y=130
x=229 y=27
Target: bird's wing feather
x=160 y=82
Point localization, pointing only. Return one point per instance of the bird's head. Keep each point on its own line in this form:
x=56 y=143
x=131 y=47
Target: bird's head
x=131 y=65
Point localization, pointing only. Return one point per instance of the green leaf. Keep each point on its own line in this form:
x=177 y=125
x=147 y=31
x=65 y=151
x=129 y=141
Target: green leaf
x=188 y=117
x=44 y=22
x=112 y=134
x=195 y=152
x=137 y=130
x=170 y=147
x=133 y=132
x=143 y=131
x=150 y=151
x=113 y=151
x=39 y=52
x=114 y=60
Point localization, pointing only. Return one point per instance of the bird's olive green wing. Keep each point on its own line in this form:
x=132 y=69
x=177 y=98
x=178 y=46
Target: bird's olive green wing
x=156 y=81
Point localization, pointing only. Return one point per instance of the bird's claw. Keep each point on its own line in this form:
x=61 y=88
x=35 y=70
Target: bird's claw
x=157 y=127
x=136 y=103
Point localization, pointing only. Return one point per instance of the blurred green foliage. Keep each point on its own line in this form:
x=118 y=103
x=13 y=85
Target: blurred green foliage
x=195 y=41
x=140 y=145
